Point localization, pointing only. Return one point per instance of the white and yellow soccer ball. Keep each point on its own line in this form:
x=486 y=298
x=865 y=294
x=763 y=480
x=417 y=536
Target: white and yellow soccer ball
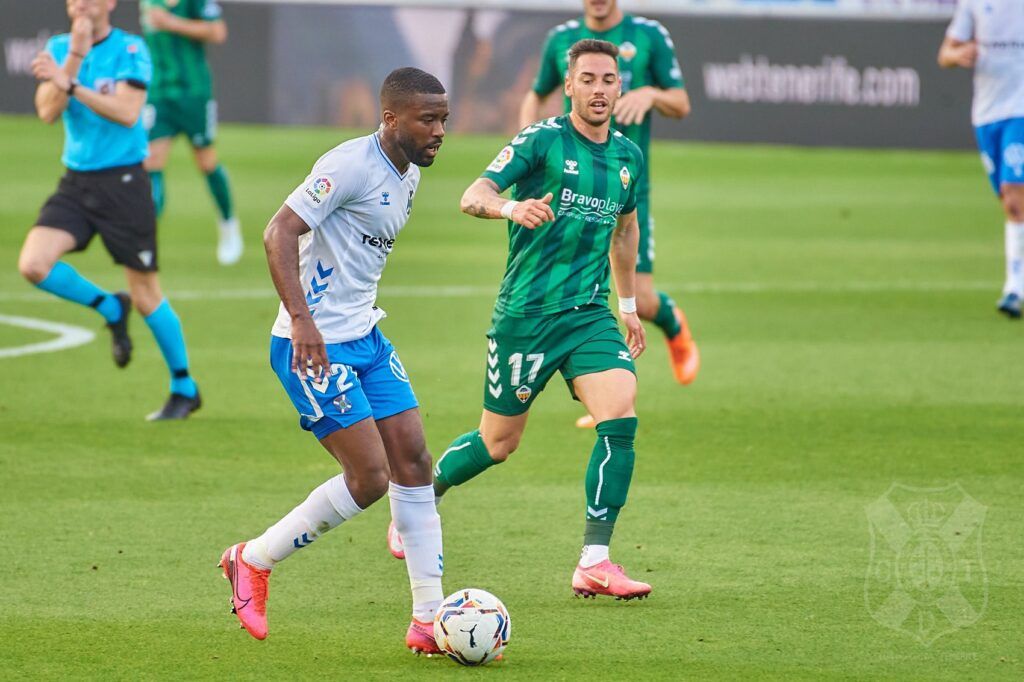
x=472 y=627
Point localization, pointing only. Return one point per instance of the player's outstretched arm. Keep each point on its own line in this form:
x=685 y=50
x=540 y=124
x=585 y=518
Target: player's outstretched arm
x=482 y=200
x=281 y=241
x=625 y=241
x=215 y=32
x=958 y=53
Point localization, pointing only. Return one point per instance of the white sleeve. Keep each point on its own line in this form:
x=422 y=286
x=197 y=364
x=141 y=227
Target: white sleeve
x=962 y=26
x=336 y=178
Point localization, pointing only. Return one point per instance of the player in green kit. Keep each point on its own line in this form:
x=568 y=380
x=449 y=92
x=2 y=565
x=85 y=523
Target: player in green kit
x=181 y=101
x=573 y=218
x=651 y=80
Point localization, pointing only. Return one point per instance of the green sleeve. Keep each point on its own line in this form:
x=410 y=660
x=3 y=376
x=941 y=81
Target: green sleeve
x=515 y=161
x=664 y=65
x=548 y=75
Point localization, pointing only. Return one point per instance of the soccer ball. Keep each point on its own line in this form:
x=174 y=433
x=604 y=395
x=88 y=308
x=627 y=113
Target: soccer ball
x=472 y=627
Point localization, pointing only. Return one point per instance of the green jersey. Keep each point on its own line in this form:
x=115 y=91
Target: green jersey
x=179 y=63
x=646 y=57
x=564 y=263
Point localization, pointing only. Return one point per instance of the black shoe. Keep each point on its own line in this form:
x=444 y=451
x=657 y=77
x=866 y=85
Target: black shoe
x=120 y=342
x=176 y=407
x=1009 y=305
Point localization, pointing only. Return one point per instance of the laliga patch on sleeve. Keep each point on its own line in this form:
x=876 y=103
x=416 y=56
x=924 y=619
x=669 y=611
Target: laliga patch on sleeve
x=318 y=189
x=502 y=159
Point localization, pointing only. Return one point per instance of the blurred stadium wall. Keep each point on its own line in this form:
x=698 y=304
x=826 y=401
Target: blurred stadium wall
x=809 y=72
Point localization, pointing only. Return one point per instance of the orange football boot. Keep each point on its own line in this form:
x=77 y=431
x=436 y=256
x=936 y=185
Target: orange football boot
x=683 y=353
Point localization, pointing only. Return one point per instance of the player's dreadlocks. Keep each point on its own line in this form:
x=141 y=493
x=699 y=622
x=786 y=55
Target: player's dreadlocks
x=591 y=46
x=402 y=84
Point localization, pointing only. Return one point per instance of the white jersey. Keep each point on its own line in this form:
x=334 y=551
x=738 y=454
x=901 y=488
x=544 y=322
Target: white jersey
x=998 y=27
x=355 y=202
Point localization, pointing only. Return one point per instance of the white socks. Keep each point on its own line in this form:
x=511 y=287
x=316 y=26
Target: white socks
x=593 y=555
x=325 y=508
x=1014 y=258
x=415 y=515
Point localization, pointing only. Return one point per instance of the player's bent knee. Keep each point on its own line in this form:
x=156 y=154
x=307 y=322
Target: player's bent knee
x=647 y=309
x=414 y=469
x=1013 y=207
x=367 y=486
x=499 y=449
x=33 y=268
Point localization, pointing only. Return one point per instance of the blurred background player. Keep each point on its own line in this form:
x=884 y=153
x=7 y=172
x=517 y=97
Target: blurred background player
x=552 y=310
x=95 y=79
x=342 y=374
x=651 y=81
x=988 y=36
x=181 y=101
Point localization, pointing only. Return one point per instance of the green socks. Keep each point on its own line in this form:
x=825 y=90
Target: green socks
x=665 y=319
x=465 y=458
x=218 y=184
x=608 y=477
x=156 y=180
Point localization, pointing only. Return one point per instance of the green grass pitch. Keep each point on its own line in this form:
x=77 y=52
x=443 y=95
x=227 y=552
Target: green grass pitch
x=844 y=306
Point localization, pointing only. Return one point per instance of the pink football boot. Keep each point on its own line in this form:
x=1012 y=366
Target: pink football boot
x=248 y=591
x=607 y=578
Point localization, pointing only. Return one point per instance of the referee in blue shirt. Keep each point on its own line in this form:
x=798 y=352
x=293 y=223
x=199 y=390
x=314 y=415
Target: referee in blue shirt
x=95 y=78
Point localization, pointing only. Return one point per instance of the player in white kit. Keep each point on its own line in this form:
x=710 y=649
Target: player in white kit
x=988 y=36
x=326 y=248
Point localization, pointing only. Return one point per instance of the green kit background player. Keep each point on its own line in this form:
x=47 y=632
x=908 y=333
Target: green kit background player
x=576 y=191
x=651 y=80
x=181 y=101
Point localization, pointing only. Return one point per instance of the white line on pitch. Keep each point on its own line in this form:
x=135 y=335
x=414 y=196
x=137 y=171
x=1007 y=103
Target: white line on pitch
x=456 y=291
x=69 y=336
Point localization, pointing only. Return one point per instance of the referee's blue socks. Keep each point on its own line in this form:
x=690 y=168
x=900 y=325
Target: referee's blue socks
x=156 y=181
x=64 y=281
x=166 y=328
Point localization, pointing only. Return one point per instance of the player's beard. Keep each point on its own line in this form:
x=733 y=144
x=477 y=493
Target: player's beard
x=415 y=153
x=582 y=109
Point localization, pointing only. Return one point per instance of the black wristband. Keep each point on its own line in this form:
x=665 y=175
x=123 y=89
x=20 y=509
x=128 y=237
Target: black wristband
x=71 y=88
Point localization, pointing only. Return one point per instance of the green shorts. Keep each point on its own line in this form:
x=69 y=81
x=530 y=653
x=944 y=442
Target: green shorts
x=523 y=353
x=196 y=117
x=645 y=252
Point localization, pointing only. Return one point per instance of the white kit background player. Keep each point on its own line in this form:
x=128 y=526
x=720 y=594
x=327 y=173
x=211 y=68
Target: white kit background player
x=342 y=374
x=988 y=36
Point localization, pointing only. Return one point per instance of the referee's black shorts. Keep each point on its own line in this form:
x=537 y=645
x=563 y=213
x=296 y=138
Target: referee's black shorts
x=115 y=203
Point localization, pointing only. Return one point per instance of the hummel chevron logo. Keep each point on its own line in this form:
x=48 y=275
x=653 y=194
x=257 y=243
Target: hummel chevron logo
x=315 y=286
x=596 y=513
x=602 y=583
x=495 y=391
x=306 y=542
x=492 y=345
x=492 y=361
x=493 y=376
